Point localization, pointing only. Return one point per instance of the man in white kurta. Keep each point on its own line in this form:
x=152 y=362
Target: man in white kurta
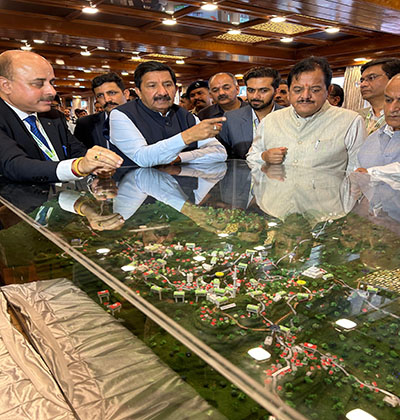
x=310 y=133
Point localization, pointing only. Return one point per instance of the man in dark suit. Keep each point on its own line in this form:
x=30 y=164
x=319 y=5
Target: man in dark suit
x=110 y=92
x=238 y=131
x=35 y=144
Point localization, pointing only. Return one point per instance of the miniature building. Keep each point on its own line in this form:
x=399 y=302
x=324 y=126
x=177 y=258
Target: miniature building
x=103 y=295
x=314 y=272
x=259 y=354
x=179 y=295
x=346 y=324
x=115 y=307
x=200 y=293
x=253 y=309
x=156 y=289
x=358 y=414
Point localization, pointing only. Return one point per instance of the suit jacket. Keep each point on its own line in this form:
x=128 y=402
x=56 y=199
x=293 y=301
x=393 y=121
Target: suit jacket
x=21 y=158
x=237 y=131
x=89 y=130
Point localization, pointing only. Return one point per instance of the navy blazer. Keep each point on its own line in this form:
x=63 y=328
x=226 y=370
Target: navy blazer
x=21 y=158
x=89 y=130
x=237 y=132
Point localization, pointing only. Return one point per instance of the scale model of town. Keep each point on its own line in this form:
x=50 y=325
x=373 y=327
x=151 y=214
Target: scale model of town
x=311 y=322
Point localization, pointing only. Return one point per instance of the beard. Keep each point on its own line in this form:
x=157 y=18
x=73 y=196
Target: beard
x=260 y=105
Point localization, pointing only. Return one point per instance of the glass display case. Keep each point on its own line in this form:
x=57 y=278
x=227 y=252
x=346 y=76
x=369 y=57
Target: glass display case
x=284 y=280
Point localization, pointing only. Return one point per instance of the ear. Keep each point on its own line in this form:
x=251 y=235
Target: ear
x=138 y=93
x=5 y=85
x=126 y=94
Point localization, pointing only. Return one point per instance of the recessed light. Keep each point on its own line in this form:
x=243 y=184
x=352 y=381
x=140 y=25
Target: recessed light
x=278 y=19
x=234 y=32
x=169 y=22
x=87 y=71
x=91 y=10
x=180 y=61
x=60 y=62
x=239 y=76
x=209 y=7
x=287 y=39
x=105 y=66
x=71 y=76
x=77 y=84
x=332 y=30
x=77 y=96
x=124 y=73
x=26 y=47
x=101 y=48
x=38 y=41
x=86 y=53
x=135 y=58
x=360 y=59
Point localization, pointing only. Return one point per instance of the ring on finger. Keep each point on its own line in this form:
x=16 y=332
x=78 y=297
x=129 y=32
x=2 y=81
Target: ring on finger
x=96 y=157
x=215 y=127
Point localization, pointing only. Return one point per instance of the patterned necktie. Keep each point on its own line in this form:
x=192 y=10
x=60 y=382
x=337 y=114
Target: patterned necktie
x=31 y=120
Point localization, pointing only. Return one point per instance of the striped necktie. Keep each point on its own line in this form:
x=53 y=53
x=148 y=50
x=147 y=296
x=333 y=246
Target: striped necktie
x=31 y=120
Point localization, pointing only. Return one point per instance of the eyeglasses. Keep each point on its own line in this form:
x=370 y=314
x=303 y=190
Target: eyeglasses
x=368 y=79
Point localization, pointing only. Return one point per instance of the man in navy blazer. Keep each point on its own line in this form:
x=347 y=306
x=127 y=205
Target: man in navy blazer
x=35 y=143
x=109 y=91
x=238 y=131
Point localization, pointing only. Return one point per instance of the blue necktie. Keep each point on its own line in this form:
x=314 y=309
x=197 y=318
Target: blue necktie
x=31 y=120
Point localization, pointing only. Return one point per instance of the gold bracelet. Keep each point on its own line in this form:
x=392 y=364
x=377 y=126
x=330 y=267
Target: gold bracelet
x=79 y=205
x=75 y=169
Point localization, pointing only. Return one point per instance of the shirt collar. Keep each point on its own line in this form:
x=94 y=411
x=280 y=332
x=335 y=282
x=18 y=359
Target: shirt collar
x=21 y=114
x=388 y=130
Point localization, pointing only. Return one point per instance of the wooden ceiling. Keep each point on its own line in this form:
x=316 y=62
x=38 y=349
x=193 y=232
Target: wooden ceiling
x=126 y=29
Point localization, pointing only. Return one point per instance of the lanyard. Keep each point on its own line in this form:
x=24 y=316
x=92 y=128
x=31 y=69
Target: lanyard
x=50 y=153
x=373 y=125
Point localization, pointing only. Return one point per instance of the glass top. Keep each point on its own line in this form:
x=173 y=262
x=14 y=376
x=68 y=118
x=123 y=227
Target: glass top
x=284 y=279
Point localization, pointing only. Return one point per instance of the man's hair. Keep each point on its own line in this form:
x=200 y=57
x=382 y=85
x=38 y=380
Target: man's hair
x=311 y=64
x=184 y=96
x=283 y=82
x=390 y=65
x=336 y=90
x=224 y=72
x=6 y=66
x=149 y=66
x=108 y=78
x=257 y=72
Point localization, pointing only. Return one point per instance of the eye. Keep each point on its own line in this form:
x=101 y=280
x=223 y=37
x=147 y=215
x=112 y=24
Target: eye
x=250 y=90
x=38 y=84
x=100 y=95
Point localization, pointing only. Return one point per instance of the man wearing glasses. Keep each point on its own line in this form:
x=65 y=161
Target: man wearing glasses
x=374 y=77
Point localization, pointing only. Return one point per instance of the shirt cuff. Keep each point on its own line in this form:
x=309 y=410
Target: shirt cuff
x=64 y=171
x=67 y=199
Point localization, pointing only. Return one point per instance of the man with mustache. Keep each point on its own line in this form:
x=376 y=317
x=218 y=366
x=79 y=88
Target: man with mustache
x=109 y=91
x=224 y=91
x=382 y=147
x=35 y=143
x=241 y=124
x=311 y=132
x=152 y=130
x=281 y=95
x=374 y=76
x=199 y=95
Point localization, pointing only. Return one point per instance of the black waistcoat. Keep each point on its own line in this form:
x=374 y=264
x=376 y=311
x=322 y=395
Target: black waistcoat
x=153 y=126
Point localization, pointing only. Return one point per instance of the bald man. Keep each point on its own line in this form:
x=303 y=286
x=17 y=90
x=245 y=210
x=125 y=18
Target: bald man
x=35 y=143
x=382 y=147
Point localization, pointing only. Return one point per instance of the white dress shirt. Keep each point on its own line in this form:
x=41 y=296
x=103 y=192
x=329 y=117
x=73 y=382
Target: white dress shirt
x=126 y=136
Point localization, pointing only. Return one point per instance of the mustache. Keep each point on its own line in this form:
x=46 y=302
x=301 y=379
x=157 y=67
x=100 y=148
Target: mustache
x=220 y=97
x=48 y=98
x=305 y=101
x=110 y=103
x=198 y=101
x=162 y=97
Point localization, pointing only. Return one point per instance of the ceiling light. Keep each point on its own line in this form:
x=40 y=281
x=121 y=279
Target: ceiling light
x=101 y=48
x=209 y=7
x=86 y=53
x=360 y=59
x=332 y=30
x=77 y=84
x=234 y=32
x=180 y=61
x=60 y=61
x=235 y=18
x=124 y=73
x=91 y=10
x=38 y=41
x=239 y=76
x=26 y=47
x=278 y=19
x=77 y=96
x=169 y=22
x=71 y=76
x=135 y=57
x=287 y=39
x=105 y=66
x=131 y=82
x=87 y=70
x=24 y=41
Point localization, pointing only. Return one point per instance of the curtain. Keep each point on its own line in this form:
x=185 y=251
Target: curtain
x=352 y=96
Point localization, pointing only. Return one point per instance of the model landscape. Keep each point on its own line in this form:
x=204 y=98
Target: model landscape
x=297 y=310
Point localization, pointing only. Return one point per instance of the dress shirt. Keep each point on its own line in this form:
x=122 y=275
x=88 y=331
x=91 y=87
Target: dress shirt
x=63 y=171
x=126 y=137
x=380 y=148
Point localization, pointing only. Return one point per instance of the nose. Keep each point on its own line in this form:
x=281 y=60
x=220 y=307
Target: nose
x=306 y=93
x=108 y=97
x=50 y=90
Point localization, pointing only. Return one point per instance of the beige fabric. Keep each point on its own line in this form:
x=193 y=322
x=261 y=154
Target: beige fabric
x=27 y=389
x=352 y=95
x=328 y=139
x=106 y=372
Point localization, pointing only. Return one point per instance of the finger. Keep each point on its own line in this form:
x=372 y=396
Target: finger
x=215 y=120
